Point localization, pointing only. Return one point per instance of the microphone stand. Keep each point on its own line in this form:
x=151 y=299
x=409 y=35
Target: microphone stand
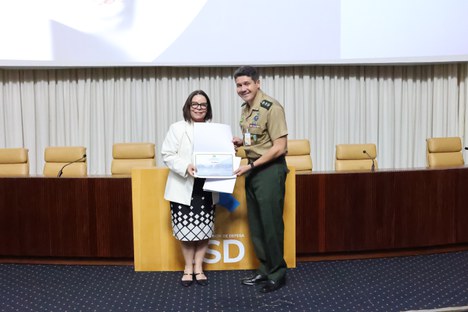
x=373 y=164
x=61 y=169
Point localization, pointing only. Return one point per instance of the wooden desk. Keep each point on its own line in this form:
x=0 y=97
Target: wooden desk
x=66 y=217
x=335 y=212
x=383 y=210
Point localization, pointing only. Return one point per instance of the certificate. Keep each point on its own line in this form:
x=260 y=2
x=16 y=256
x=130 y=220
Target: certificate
x=214 y=165
x=212 y=137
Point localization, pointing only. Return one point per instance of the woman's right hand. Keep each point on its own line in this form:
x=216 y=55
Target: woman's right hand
x=237 y=142
x=191 y=170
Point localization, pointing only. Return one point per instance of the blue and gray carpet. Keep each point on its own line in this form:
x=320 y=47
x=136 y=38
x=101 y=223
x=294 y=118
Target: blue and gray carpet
x=389 y=284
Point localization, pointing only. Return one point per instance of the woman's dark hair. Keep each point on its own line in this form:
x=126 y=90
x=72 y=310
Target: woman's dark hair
x=188 y=103
x=248 y=71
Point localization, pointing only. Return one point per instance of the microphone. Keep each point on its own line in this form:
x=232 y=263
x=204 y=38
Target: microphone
x=61 y=169
x=373 y=164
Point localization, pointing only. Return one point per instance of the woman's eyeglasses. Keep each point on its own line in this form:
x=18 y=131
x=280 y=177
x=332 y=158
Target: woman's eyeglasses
x=198 y=105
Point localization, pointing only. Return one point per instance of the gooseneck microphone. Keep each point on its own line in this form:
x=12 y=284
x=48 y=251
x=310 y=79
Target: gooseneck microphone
x=373 y=164
x=61 y=169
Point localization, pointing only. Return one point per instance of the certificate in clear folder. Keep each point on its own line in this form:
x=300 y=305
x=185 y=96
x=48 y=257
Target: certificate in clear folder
x=214 y=165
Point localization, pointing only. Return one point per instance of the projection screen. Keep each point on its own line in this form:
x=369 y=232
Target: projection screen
x=56 y=33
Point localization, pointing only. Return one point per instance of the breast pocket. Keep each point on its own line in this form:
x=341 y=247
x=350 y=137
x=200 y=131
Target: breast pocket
x=256 y=134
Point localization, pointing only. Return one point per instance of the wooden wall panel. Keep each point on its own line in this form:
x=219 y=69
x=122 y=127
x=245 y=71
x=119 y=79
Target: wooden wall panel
x=381 y=211
x=66 y=217
x=308 y=214
x=461 y=210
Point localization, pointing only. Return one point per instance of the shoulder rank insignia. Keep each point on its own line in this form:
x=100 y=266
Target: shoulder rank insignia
x=266 y=104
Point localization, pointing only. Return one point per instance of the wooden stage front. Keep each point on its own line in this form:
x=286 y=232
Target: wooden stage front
x=337 y=214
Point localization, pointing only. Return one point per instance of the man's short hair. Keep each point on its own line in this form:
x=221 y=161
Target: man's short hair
x=248 y=71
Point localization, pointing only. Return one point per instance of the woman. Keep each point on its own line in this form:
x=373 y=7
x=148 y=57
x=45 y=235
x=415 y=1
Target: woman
x=192 y=209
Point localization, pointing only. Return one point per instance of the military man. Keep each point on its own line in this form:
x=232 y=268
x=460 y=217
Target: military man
x=264 y=140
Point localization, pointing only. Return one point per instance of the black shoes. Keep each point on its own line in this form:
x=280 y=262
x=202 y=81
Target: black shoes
x=272 y=285
x=269 y=285
x=254 y=280
x=187 y=283
x=202 y=282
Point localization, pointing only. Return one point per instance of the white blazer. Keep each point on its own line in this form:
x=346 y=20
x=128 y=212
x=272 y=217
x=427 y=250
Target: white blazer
x=177 y=150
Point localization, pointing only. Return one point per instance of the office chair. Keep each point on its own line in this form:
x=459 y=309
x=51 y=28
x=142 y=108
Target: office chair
x=444 y=152
x=356 y=157
x=131 y=155
x=14 y=162
x=299 y=156
x=65 y=161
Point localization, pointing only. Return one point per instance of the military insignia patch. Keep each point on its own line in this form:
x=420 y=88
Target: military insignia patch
x=266 y=104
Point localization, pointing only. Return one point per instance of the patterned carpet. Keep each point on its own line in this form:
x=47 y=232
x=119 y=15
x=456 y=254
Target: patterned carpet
x=390 y=284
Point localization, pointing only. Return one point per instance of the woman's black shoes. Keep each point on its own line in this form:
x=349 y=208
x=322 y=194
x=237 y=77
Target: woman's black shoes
x=187 y=283
x=201 y=281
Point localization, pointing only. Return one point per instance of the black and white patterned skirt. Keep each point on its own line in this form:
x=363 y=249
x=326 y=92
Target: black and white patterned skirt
x=194 y=222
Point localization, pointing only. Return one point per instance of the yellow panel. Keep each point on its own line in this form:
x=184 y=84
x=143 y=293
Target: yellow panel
x=289 y=217
x=155 y=249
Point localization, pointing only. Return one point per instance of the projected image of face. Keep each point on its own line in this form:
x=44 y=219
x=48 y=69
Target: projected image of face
x=94 y=16
x=107 y=31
